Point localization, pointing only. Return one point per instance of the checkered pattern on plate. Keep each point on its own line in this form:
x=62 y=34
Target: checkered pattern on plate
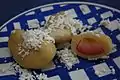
x=88 y=14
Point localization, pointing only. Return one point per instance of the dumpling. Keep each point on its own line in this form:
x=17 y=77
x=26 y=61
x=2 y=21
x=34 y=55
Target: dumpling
x=31 y=49
x=61 y=35
x=61 y=27
x=91 y=45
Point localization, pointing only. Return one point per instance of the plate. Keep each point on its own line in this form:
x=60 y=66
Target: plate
x=89 y=14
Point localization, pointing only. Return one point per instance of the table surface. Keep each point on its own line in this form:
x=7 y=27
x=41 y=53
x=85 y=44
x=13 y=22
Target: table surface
x=10 y=8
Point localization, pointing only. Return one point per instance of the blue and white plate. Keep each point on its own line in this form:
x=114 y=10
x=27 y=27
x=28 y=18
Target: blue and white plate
x=88 y=13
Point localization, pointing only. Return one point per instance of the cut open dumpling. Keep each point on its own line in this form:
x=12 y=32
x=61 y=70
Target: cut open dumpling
x=91 y=45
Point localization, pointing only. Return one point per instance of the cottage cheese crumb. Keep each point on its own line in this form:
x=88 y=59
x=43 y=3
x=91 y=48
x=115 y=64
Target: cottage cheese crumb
x=67 y=57
x=112 y=70
x=24 y=74
x=63 y=21
x=34 y=38
x=105 y=22
x=41 y=76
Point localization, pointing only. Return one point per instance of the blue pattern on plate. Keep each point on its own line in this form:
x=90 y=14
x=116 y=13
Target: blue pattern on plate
x=93 y=12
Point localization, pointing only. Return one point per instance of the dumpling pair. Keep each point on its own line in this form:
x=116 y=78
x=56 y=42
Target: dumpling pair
x=35 y=49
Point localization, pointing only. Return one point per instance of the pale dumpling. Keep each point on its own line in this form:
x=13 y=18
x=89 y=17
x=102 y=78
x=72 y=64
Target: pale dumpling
x=27 y=55
x=61 y=26
x=61 y=36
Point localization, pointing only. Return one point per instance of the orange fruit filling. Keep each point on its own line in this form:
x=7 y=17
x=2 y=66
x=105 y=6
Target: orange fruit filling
x=89 y=47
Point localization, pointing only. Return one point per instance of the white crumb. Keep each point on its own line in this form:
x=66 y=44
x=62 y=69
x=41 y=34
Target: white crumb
x=67 y=57
x=63 y=21
x=32 y=39
x=24 y=74
x=42 y=23
x=112 y=70
x=41 y=76
x=105 y=22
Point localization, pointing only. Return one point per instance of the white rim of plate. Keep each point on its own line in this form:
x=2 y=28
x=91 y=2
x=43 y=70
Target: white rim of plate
x=59 y=3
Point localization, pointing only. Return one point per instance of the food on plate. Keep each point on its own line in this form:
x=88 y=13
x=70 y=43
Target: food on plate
x=61 y=36
x=67 y=57
x=61 y=27
x=91 y=45
x=33 y=49
x=37 y=47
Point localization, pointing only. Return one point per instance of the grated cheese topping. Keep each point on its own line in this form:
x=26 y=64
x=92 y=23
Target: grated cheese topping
x=67 y=57
x=24 y=74
x=105 y=22
x=112 y=70
x=41 y=76
x=63 y=21
x=32 y=39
